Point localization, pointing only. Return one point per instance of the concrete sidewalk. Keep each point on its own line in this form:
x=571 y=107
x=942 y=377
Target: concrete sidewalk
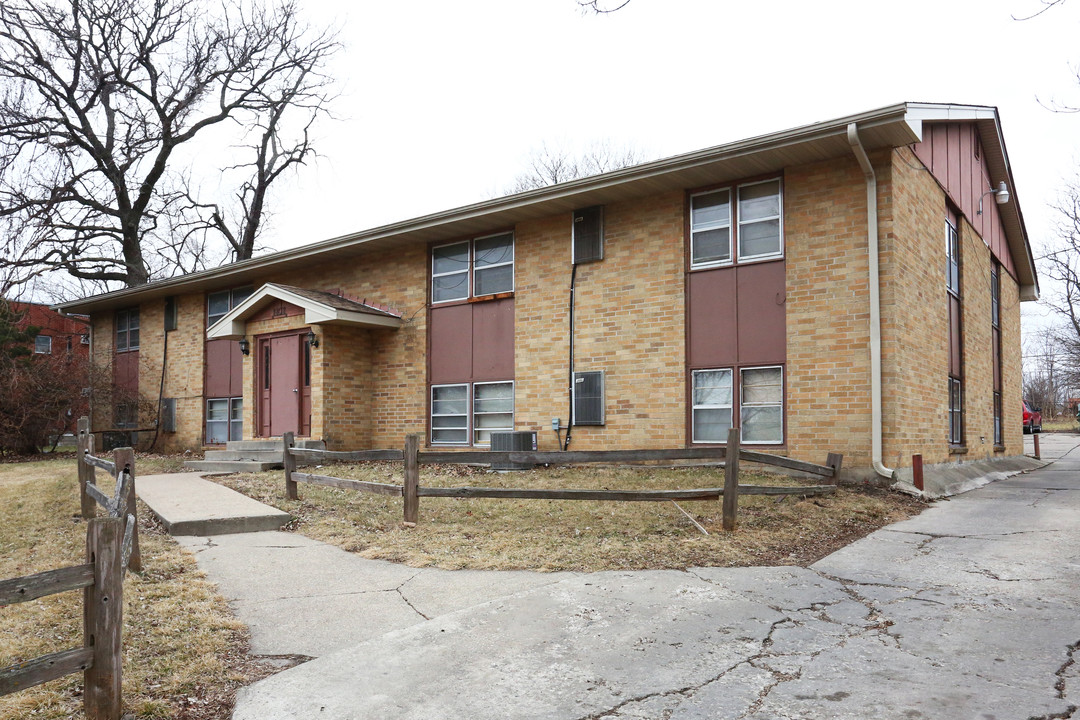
x=968 y=610
x=186 y=504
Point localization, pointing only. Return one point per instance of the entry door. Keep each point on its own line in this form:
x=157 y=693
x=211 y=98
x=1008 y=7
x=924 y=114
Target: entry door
x=280 y=406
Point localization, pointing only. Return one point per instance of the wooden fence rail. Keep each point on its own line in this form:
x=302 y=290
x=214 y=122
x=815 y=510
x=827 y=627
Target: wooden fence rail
x=411 y=491
x=122 y=504
x=101 y=580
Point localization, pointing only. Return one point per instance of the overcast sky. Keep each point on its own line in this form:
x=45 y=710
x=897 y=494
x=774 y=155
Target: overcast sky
x=442 y=102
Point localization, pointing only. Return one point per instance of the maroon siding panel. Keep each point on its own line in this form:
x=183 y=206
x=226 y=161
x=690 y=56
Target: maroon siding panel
x=126 y=371
x=493 y=340
x=948 y=150
x=762 y=323
x=713 y=324
x=451 y=344
x=224 y=369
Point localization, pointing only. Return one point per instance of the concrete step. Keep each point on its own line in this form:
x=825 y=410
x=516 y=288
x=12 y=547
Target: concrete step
x=256 y=455
x=188 y=505
x=272 y=444
x=232 y=466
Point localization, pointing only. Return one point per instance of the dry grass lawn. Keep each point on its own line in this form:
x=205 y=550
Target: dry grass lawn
x=184 y=653
x=550 y=535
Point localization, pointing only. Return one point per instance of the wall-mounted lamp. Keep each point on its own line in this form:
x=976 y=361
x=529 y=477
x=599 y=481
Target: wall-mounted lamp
x=312 y=338
x=245 y=346
x=1000 y=193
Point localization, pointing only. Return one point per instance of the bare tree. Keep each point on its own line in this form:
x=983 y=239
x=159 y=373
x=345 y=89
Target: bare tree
x=1046 y=384
x=96 y=98
x=601 y=8
x=1061 y=265
x=550 y=166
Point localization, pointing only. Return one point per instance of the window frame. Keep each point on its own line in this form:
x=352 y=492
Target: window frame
x=694 y=407
x=474 y=429
x=466 y=415
x=743 y=404
x=38 y=345
x=956 y=413
x=235 y=297
x=234 y=426
x=127 y=315
x=470 y=270
x=952 y=258
x=735 y=224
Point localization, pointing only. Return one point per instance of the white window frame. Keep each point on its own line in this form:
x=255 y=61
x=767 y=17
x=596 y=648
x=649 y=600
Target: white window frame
x=128 y=314
x=713 y=226
x=47 y=346
x=780 y=225
x=475 y=413
x=694 y=407
x=466 y=415
x=234 y=426
x=464 y=271
x=474 y=268
x=952 y=259
x=743 y=404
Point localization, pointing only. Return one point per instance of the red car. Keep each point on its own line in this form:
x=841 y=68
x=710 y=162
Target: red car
x=1032 y=420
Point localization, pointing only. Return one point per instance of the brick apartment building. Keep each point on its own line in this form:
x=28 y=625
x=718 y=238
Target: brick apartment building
x=848 y=286
x=57 y=335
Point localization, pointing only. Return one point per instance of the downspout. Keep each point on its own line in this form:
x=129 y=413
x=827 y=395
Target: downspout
x=875 y=299
x=573 y=301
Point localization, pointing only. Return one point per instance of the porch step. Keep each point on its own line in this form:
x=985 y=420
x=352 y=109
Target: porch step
x=269 y=455
x=232 y=466
x=272 y=444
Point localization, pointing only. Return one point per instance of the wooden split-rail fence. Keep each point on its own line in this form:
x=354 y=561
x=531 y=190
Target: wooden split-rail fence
x=411 y=490
x=112 y=546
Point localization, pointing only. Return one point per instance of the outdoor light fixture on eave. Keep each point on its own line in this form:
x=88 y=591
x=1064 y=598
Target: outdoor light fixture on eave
x=245 y=346
x=313 y=339
x=1000 y=193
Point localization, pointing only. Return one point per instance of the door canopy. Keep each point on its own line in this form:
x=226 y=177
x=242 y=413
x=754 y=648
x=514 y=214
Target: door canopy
x=320 y=308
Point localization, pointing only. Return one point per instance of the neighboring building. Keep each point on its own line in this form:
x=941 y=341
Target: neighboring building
x=57 y=335
x=656 y=305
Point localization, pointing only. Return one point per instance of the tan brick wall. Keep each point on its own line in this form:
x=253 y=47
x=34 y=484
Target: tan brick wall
x=828 y=312
x=184 y=363
x=102 y=341
x=629 y=323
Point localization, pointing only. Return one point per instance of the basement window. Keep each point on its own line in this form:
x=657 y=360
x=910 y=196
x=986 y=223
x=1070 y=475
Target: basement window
x=224 y=420
x=761 y=404
x=493 y=410
x=712 y=404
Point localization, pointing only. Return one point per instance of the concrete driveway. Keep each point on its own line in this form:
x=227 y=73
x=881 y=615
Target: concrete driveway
x=966 y=611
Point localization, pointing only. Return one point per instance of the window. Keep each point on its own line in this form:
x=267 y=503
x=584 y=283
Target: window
x=952 y=258
x=125 y=415
x=757 y=224
x=492 y=410
x=43 y=345
x=995 y=347
x=588 y=231
x=224 y=420
x=956 y=412
x=761 y=399
x=712 y=403
x=127 y=330
x=221 y=302
x=450 y=414
x=589 y=398
x=472 y=268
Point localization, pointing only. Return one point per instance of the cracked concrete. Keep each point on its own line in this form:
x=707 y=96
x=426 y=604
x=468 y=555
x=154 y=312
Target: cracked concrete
x=967 y=611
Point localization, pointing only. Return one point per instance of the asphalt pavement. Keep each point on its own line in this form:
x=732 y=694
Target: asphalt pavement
x=968 y=610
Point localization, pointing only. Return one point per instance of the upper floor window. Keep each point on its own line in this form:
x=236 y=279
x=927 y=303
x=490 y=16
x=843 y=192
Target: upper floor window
x=472 y=268
x=952 y=259
x=995 y=295
x=43 y=344
x=746 y=219
x=221 y=302
x=127 y=330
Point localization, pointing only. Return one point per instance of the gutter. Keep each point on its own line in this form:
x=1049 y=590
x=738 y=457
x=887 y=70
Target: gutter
x=875 y=299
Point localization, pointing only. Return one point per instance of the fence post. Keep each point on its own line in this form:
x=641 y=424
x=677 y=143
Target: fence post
x=103 y=618
x=731 y=479
x=288 y=461
x=412 y=478
x=85 y=469
x=125 y=458
x=835 y=461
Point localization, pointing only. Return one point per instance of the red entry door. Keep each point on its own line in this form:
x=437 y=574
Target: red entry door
x=280 y=401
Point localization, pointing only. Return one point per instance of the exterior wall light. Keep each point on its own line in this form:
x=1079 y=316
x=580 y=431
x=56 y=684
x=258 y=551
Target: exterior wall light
x=1000 y=193
x=245 y=346
x=312 y=339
